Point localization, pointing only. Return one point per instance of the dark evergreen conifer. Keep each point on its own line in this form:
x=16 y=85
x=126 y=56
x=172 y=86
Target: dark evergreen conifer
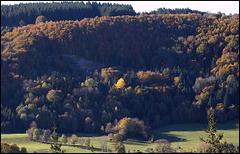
x=214 y=139
x=56 y=147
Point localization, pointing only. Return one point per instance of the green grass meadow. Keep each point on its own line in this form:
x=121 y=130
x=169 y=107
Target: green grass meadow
x=185 y=136
x=22 y=140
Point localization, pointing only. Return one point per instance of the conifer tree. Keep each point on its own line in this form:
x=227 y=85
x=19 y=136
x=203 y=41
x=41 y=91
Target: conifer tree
x=214 y=139
x=56 y=147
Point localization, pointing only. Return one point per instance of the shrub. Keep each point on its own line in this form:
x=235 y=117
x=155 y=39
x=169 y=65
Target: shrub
x=14 y=148
x=109 y=128
x=117 y=137
x=149 y=150
x=23 y=150
x=74 y=139
x=46 y=134
x=164 y=147
x=5 y=148
x=201 y=148
x=230 y=148
x=110 y=136
x=119 y=148
x=29 y=132
x=81 y=141
x=161 y=141
x=87 y=142
x=36 y=134
x=64 y=139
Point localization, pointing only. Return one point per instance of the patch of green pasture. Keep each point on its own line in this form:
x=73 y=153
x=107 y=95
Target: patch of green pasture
x=187 y=136
x=138 y=144
x=22 y=141
x=130 y=144
x=94 y=139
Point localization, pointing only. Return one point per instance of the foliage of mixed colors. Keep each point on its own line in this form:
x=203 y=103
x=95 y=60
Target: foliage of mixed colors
x=159 y=68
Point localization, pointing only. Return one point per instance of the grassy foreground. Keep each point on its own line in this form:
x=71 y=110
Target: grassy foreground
x=21 y=140
x=185 y=136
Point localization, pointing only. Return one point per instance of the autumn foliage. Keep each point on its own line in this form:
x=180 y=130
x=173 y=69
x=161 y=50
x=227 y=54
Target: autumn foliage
x=159 y=68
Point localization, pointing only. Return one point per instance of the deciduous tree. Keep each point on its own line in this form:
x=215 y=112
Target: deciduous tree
x=74 y=139
x=40 y=19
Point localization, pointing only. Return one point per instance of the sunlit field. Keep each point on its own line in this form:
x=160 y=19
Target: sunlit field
x=185 y=136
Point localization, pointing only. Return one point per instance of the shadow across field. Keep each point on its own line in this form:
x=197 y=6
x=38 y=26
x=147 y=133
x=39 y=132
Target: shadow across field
x=137 y=142
x=77 y=146
x=234 y=124
x=85 y=135
x=163 y=132
x=169 y=137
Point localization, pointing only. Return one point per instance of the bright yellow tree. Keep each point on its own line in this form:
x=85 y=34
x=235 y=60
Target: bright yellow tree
x=120 y=84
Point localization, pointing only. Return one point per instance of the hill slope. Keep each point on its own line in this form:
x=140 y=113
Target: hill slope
x=173 y=67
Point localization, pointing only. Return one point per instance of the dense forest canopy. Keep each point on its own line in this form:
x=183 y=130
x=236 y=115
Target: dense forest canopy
x=12 y=15
x=23 y=14
x=86 y=75
x=174 y=11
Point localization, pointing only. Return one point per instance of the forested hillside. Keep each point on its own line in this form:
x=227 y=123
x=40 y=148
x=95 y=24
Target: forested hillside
x=174 y=11
x=22 y=14
x=84 y=74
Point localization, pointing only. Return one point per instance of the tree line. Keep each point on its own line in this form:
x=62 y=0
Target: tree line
x=23 y=14
x=175 y=11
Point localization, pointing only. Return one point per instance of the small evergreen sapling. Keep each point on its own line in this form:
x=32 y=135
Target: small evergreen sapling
x=56 y=147
x=214 y=139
